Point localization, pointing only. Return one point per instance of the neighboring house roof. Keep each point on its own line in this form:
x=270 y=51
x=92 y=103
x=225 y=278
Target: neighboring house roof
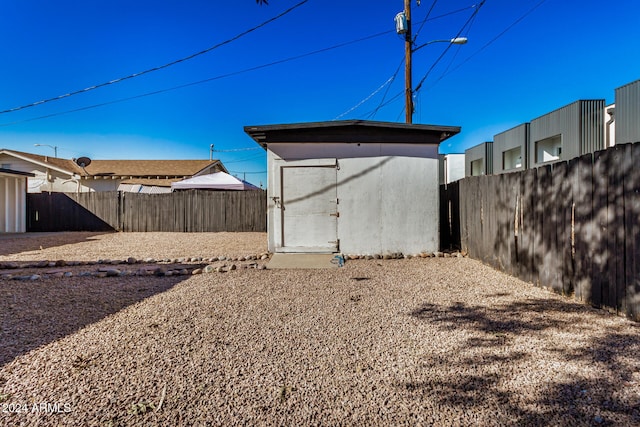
x=65 y=166
x=149 y=168
x=360 y=131
x=156 y=169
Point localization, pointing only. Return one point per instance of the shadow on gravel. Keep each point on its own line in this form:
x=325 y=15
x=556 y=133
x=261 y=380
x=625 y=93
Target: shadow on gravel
x=14 y=243
x=35 y=313
x=480 y=377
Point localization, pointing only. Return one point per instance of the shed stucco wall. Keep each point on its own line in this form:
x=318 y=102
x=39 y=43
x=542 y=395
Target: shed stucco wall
x=388 y=194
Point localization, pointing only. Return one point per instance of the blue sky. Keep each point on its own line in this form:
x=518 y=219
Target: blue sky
x=562 y=51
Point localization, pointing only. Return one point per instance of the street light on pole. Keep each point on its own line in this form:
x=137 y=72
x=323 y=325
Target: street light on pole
x=55 y=148
x=457 y=40
x=403 y=26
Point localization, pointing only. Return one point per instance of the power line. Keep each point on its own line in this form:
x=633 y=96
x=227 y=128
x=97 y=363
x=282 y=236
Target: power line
x=472 y=21
x=490 y=42
x=382 y=103
x=425 y=20
x=219 y=77
x=233 y=150
x=244 y=159
x=199 y=82
x=249 y=173
x=469 y=22
x=475 y=12
x=150 y=70
x=389 y=80
x=386 y=92
x=391 y=100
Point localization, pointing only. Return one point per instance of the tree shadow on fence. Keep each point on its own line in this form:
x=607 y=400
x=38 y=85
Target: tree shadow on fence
x=493 y=357
x=36 y=313
x=568 y=226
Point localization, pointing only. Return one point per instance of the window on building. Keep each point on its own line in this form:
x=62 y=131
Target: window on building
x=5 y=166
x=549 y=149
x=477 y=167
x=512 y=159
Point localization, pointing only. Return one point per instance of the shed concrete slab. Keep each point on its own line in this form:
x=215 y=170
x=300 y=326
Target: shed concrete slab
x=301 y=261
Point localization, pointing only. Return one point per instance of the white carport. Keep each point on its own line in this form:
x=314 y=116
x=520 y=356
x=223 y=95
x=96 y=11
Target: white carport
x=13 y=201
x=213 y=181
x=356 y=187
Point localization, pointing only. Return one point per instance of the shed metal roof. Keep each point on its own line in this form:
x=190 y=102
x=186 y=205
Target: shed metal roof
x=351 y=131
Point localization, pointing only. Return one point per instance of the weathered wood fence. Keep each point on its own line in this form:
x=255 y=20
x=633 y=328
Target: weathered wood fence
x=183 y=211
x=571 y=226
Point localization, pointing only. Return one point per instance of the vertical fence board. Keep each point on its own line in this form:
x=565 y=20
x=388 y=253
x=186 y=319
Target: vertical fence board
x=454 y=203
x=487 y=207
x=562 y=201
x=618 y=169
x=497 y=222
x=600 y=244
x=572 y=191
x=514 y=186
x=480 y=214
x=632 y=232
x=463 y=194
x=584 y=228
x=444 y=223
x=527 y=264
x=544 y=217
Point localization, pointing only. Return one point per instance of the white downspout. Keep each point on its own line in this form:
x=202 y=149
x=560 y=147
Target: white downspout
x=611 y=111
x=76 y=180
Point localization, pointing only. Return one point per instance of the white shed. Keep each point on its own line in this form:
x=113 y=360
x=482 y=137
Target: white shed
x=13 y=201
x=356 y=187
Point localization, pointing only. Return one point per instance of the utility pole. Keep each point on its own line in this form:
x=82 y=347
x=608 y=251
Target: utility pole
x=403 y=26
x=408 y=42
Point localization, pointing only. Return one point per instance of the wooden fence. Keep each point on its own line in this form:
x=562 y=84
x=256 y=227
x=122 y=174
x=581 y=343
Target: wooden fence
x=182 y=211
x=571 y=226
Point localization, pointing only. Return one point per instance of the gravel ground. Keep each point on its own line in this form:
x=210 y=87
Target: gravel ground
x=92 y=246
x=435 y=341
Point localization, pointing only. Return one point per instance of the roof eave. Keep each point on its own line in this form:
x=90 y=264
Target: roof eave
x=36 y=162
x=351 y=131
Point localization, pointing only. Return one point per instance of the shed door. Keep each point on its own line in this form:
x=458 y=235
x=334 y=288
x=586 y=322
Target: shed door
x=309 y=209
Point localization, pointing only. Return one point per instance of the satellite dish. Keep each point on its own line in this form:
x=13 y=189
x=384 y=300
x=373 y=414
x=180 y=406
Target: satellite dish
x=83 y=162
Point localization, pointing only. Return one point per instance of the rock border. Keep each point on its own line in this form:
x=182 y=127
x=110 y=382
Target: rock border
x=400 y=255
x=153 y=267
